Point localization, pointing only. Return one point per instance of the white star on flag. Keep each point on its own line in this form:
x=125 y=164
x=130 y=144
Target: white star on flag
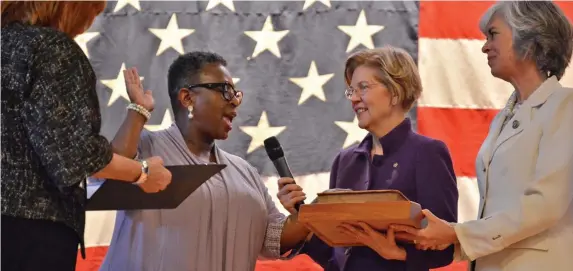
x=122 y=3
x=312 y=84
x=261 y=132
x=228 y=3
x=353 y=132
x=361 y=33
x=308 y=3
x=267 y=38
x=117 y=86
x=165 y=123
x=83 y=39
x=171 y=36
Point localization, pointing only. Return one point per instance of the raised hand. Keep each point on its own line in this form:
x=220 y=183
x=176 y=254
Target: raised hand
x=158 y=178
x=135 y=90
x=289 y=194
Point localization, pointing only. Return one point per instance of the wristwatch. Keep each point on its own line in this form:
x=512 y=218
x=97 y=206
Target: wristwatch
x=144 y=172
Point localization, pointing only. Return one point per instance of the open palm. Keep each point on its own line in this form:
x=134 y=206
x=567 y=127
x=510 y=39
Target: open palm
x=135 y=90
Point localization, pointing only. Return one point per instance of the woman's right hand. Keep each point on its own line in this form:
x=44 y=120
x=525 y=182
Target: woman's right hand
x=158 y=178
x=135 y=90
x=289 y=194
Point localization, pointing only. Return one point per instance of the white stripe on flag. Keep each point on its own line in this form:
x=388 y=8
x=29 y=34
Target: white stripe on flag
x=455 y=74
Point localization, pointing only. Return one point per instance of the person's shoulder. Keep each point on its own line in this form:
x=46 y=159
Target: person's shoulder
x=146 y=137
x=45 y=42
x=564 y=95
x=237 y=160
x=558 y=109
x=347 y=153
x=21 y=41
x=428 y=145
x=59 y=44
x=351 y=150
x=559 y=102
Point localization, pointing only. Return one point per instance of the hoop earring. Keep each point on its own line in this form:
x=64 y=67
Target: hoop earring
x=190 y=108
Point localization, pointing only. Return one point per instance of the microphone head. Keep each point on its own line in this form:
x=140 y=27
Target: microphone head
x=273 y=148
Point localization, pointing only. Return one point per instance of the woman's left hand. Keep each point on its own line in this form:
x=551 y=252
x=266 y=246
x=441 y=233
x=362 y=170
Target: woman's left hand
x=438 y=235
x=385 y=245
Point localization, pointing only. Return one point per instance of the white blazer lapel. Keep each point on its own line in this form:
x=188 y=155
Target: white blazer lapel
x=490 y=141
x=513 y=127
x=485 y=156
x=523 y=116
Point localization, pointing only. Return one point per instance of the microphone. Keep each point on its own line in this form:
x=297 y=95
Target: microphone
x=277 y=156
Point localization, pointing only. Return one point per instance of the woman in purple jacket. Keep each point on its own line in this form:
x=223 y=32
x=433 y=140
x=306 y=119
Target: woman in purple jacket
x=383 y=84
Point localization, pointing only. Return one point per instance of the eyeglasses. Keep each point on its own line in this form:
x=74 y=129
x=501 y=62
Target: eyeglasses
x=362 y=89
x=228 y=91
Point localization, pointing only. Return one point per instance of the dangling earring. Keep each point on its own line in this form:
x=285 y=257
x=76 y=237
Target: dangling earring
x=190 y=108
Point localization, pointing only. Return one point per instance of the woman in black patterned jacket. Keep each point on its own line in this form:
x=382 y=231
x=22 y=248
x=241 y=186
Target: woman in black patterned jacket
x=50 y=135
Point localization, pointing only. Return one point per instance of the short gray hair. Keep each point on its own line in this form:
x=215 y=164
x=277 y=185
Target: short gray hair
x=540 y=30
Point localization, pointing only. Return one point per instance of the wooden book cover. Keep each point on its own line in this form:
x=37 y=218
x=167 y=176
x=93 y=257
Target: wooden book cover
x=378 y=208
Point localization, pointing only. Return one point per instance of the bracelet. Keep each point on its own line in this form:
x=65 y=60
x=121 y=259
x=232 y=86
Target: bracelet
x=144 y=171
x=140 y=109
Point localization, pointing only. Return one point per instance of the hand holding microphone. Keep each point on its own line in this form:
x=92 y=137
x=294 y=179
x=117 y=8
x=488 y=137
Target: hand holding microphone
x=290 y=194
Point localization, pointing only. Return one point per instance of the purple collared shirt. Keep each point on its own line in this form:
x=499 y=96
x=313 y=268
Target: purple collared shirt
x=418 y=166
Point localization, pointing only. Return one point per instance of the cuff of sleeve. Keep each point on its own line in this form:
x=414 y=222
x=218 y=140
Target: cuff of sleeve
x=273 y=239
x=463 y=249
x=100 y=156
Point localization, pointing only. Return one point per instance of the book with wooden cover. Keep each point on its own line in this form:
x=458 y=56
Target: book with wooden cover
x=377 y=208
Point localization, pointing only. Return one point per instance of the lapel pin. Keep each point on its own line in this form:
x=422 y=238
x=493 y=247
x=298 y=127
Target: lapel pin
x=395 y=165
x=515 y=124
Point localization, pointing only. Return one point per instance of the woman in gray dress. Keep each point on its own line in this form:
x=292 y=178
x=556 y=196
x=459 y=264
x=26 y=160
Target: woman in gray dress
x=230 y=220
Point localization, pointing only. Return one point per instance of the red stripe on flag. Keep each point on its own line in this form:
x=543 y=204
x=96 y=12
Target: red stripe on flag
x=451 y=20
x=459 y=20
x=463 y=131
x=567 y=7
x=94 y=258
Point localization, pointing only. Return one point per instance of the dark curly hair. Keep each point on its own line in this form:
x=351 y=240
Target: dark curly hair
x=185 y=70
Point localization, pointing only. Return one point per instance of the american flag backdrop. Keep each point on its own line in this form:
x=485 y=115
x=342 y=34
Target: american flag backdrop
x=288 y=58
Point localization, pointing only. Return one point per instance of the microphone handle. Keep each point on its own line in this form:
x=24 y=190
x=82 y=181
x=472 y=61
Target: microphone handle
x=284 y=171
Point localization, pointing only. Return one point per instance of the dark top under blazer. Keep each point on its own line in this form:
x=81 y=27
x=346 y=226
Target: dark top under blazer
x=50 y=126
x=418 y=166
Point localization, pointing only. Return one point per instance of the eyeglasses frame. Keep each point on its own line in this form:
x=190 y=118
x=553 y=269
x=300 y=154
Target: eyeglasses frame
x=221 y=88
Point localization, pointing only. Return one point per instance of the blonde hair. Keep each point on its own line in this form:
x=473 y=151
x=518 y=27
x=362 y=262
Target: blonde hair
x=398 y=72
x=70 y=17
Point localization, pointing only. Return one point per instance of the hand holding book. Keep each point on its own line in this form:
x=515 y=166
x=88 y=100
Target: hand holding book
x=378 y=209
x=384 y=244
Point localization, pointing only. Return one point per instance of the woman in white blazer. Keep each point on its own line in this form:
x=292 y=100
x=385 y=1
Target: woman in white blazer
x=525 y=165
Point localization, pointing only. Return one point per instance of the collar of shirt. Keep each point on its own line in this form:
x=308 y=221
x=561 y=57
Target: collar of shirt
x=391 y=142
